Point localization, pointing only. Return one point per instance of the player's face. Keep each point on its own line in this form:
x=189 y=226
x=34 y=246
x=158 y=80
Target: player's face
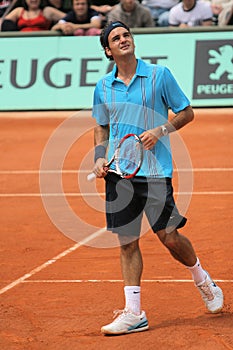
x=120 y=43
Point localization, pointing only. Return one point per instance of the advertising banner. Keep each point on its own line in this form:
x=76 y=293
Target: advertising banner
x=60 y=73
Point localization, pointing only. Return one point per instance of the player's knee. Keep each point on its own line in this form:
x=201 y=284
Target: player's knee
x=128 y=246
x=170 y=240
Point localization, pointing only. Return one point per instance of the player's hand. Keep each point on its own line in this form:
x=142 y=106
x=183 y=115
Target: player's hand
x=150 y=137
x=99 y=169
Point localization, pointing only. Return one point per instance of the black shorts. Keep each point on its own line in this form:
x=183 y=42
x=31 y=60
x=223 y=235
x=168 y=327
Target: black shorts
x=127 y=200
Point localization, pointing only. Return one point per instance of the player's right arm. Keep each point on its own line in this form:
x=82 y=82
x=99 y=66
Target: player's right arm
x=101 y=137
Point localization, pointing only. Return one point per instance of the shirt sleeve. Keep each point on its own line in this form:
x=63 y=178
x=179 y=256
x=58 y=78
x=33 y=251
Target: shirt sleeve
x=173 y=94
x=207 y=12
x=99 y=111
x=172 y=17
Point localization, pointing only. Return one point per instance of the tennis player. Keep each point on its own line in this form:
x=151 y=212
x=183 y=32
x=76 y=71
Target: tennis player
x=134 y=97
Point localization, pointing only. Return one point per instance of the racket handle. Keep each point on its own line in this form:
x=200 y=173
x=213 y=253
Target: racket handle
x=91 y=177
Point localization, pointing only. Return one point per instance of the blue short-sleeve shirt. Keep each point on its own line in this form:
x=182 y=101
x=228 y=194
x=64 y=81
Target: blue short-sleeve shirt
x=140 y=106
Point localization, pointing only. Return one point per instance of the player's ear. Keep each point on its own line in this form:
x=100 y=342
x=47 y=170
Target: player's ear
x=108 y=51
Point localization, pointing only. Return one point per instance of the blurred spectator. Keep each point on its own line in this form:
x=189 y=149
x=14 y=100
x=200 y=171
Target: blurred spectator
x=191 y=13
x=62 y=5
x=103 y=7
x=4 y=4
x=160 y=10
x=31 y=17
x=223 y=11
x=132 y=13
x=82 y=20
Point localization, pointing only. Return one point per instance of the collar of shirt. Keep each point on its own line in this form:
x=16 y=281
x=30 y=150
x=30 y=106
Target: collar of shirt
x=141 y=70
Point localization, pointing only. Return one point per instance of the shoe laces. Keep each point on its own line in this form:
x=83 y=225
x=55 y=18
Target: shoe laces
x=206 y=289
x=119 y=314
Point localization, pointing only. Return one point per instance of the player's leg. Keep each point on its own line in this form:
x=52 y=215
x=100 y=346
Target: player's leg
x=131 y=319
x=179 y=246
x=131 y=260
x=124 y=216
x=181 y=249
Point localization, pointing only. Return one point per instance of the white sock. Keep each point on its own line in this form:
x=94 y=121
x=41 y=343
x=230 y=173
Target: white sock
x=198 y=274
x=133 y=299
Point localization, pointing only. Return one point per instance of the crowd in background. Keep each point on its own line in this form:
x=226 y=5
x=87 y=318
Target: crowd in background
x=87 y=17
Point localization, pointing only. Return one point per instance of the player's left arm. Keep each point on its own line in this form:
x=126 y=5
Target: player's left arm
x=180 y=119
x=174 y=97
x=101 y=138
x=150 y=137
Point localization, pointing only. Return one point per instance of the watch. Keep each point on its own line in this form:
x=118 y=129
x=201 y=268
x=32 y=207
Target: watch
x=164 y=130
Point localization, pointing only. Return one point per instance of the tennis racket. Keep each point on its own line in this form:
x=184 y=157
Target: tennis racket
x=128 y=157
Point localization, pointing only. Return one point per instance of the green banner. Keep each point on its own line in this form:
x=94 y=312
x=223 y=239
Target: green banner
x=59 y=73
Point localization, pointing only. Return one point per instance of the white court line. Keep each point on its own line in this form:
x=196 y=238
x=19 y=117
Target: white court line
x=76 y=246
x=218 y=193
x=51 y=261
x=121 y=281
x=18 y=172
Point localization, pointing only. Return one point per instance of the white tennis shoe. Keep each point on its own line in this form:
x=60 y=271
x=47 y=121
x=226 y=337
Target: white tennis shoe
x=126 y=322
x=211 y=294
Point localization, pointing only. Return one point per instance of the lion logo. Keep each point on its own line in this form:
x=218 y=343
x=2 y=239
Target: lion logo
x=224 y=59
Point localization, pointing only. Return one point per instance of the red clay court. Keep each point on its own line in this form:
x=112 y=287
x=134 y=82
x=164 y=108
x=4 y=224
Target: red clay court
x=57 y=293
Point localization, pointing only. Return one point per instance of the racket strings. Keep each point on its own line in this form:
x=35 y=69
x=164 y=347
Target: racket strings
x=129 y=156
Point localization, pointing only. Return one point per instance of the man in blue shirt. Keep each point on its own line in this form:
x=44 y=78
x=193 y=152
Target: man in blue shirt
x=135 y=98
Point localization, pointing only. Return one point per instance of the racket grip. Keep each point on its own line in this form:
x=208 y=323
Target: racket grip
x=91 y=177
